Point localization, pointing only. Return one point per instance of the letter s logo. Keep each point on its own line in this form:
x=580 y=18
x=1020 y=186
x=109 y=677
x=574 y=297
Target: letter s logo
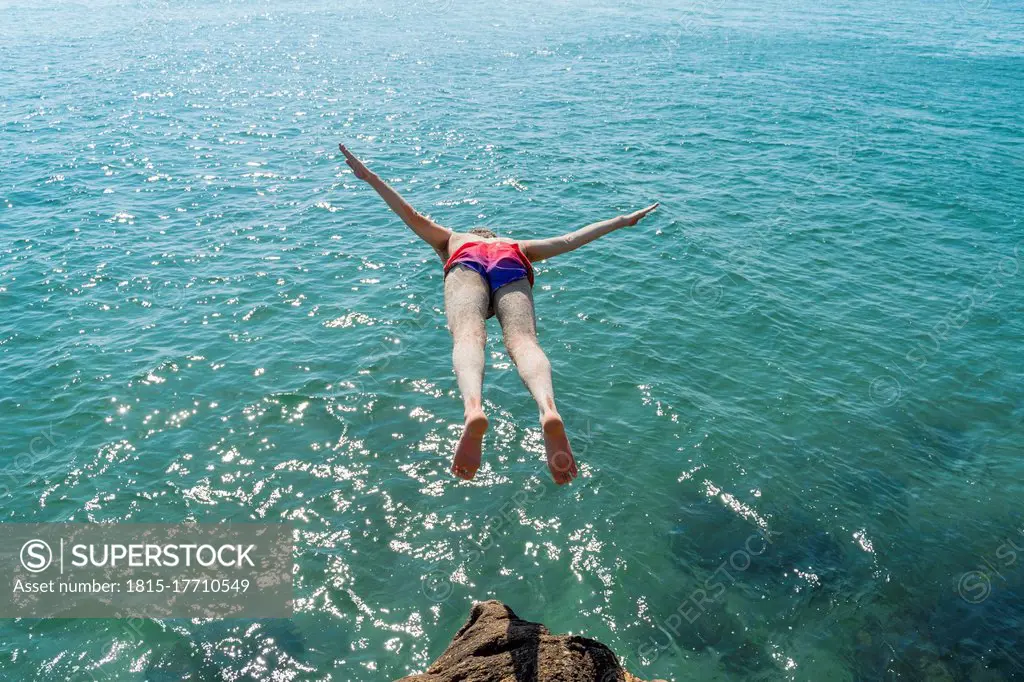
x=36 y=556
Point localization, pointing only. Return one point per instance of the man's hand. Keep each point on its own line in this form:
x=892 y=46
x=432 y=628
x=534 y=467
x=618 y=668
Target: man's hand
x=359 y=169
x=634 y=218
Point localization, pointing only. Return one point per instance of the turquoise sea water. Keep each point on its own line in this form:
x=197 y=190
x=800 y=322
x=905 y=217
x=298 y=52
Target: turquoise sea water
x=795 y=391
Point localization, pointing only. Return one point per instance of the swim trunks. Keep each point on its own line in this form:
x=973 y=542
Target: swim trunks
x=499 y=263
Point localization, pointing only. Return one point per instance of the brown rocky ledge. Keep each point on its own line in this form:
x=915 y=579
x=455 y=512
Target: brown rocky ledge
x=495 y=645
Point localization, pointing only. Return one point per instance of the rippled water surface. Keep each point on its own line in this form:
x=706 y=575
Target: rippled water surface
x=795 y=391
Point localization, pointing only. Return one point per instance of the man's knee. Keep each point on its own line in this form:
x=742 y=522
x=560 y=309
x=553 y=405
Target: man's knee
x=521 y=343
x=469 y=334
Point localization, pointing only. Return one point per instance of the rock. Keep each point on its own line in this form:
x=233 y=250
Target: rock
x=495 y=645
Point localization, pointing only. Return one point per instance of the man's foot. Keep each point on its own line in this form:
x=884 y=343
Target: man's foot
x=556 y=443
x=467 y=452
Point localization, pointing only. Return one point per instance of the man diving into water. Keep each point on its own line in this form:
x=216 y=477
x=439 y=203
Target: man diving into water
x=487 y=275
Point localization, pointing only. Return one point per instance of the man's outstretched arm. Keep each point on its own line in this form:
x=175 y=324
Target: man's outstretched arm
x=539 y=249
x=424 y=227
